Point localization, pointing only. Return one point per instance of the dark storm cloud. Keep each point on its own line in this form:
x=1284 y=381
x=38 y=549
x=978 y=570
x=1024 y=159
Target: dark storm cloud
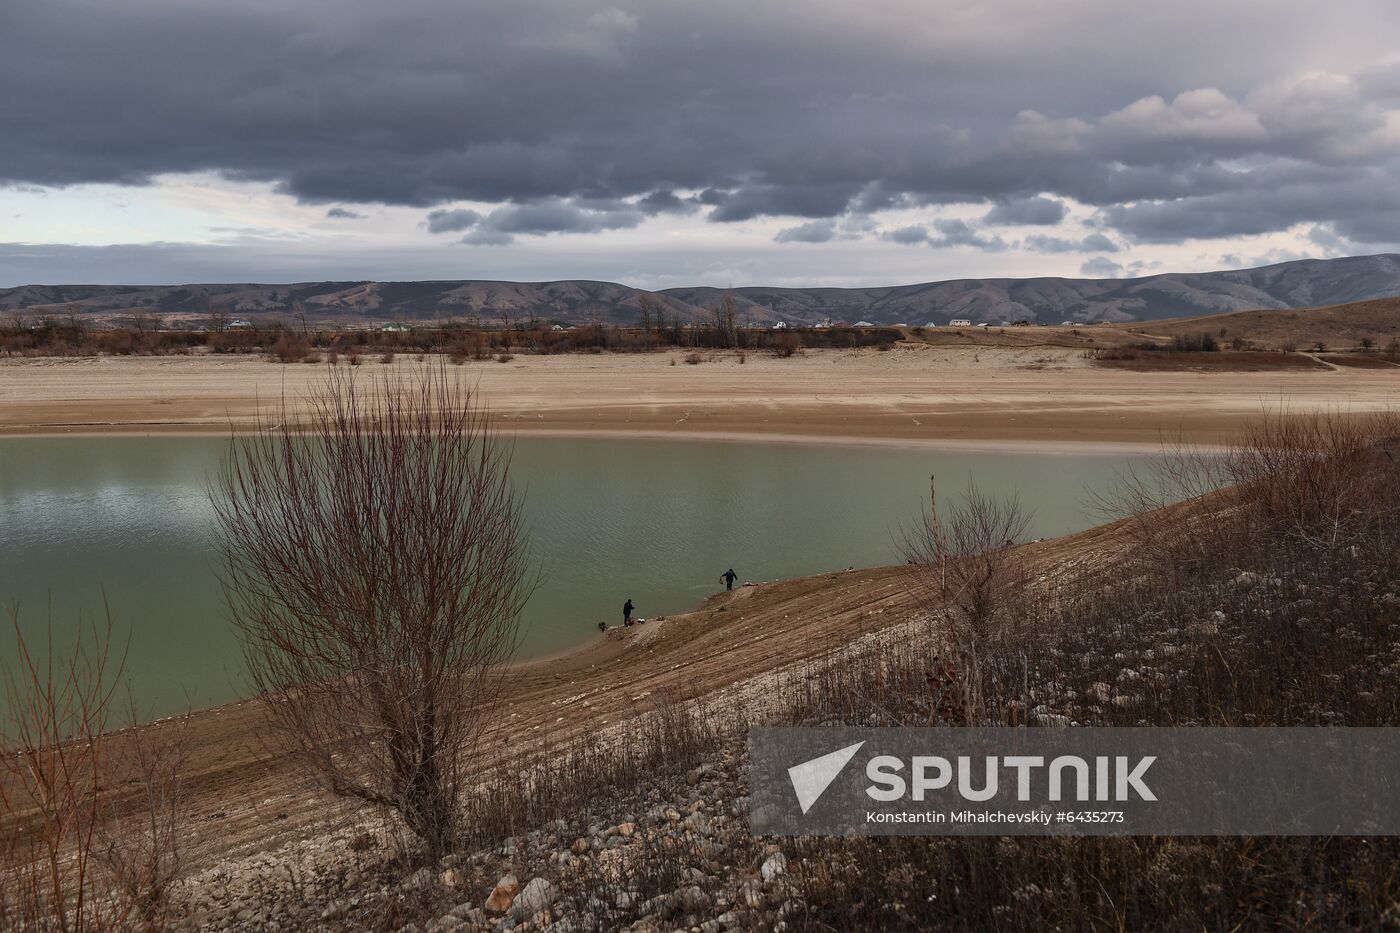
x=1035 y=211
x=584 y=117
x=340 y=213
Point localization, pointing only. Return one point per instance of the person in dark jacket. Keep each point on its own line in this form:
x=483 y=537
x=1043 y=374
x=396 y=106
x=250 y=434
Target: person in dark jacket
x=728 y=577
x=627 y=612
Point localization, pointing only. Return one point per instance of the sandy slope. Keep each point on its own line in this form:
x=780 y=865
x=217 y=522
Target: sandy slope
x=913 y=392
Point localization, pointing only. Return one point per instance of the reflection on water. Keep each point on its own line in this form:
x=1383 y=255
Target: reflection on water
x=656 y=521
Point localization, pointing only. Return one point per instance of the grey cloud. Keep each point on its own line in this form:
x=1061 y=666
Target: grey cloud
x=1037 y=211
x=908 y=235
x=814 y=231
x=1092 y=243
x=1361 y=204
x=542 y=218
x=943 y=233
x=666 y=202
x=1101 y=268
x=452 y=221
x=559 y=217
x=545 y=102
x=488 y=237
x=960 y=233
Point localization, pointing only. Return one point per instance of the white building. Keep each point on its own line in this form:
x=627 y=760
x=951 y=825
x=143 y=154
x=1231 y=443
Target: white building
x=959 y=322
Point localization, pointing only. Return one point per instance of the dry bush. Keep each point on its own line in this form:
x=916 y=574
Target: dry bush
x=290 y=349
x=969 y=576
x=91 y=820
x=141 y=836
x=787 y=344
x=376 y=564
x=50 y=775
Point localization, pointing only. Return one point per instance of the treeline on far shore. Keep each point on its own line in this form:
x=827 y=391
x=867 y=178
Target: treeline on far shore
x=459 y=341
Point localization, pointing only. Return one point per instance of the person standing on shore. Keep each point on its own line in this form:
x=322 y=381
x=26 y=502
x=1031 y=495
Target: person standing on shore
x=728 y=577
x=627 y=612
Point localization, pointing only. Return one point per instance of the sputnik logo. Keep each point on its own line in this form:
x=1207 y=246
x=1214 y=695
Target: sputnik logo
x=811 y=778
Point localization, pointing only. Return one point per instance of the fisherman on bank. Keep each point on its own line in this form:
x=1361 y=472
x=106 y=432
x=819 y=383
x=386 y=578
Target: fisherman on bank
x=627 y=612
x=728 y=577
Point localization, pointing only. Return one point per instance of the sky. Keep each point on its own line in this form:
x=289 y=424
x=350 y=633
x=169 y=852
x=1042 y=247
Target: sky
x=691 y=142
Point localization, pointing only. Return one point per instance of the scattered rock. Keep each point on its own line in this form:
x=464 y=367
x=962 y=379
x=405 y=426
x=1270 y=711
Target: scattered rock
x=536 y=896
x=503 y=895
x=773 y=866
x=421 y=878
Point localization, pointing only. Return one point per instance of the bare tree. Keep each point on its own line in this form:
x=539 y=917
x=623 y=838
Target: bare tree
x=376 y=564
x=52 y=767
x=725 y=318
x=648 y=312
x=967 y=572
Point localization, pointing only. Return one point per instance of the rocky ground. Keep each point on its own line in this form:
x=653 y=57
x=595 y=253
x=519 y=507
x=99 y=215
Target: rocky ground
x=674 y=855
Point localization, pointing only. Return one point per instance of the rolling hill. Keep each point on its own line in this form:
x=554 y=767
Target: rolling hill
x=1297 y=284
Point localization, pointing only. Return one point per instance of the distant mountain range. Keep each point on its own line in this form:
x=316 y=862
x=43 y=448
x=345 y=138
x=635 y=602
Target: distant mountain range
x=1299 y=284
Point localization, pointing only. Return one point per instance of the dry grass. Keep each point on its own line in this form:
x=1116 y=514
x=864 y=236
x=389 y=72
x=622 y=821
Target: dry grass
x=1204 y=361
x=1340 y=326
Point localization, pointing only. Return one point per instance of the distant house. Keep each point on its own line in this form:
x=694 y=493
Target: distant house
x=841 y=324
x=931 y=324
x=781 y=325
x=395 y=328
x=240 y=324
x=1066 y=323
x=557 y=327
x=959 y=322
x=864 y=324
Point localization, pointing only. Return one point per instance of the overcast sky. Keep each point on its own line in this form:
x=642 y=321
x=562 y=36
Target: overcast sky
x=666 y=142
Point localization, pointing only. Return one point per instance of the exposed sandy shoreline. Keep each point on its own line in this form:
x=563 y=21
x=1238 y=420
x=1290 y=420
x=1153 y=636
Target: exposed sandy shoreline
x=985 y=397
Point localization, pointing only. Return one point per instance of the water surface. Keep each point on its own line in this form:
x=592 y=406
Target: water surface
x=654 y=521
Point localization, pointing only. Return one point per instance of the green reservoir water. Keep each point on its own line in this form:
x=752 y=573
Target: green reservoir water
x=656 y=521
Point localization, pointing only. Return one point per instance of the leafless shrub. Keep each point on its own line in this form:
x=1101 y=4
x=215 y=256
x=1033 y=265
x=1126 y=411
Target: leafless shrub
x=376 y=565
x=51 y=773
x=968 y=574
x=289 y=349
x=140 y=837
